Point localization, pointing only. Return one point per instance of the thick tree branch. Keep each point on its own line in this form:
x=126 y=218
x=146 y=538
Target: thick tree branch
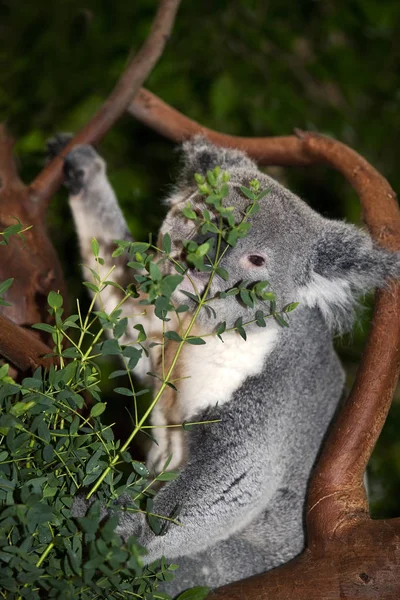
x=48 y=181
x=336 y=492
x=156 y=114
x=8 y=171
x=21 y=347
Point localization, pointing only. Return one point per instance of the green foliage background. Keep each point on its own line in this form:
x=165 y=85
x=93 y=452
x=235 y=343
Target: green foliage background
x=240 y=66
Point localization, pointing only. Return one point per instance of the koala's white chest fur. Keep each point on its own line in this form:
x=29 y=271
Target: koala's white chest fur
x=209 y=375
x=216 y=370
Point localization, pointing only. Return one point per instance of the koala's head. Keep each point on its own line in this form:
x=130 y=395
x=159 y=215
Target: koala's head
x=305 y=257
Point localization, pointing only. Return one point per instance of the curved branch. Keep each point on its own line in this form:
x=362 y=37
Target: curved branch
x=336 y=491
x=21 y=347
x=156 y=114
x=139 y=68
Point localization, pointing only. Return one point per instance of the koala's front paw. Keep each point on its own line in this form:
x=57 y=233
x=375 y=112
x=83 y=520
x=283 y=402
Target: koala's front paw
x=57 y=143
x=81 y=166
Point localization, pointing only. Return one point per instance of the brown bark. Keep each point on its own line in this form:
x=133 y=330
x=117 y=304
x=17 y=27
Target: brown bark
x=33 y=263
x=156 y=114
x=22 y=348
x=139 y=68
x=361 y=565
x=336 y=491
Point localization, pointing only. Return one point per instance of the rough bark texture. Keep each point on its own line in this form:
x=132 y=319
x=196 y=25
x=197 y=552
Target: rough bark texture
x=33 y=263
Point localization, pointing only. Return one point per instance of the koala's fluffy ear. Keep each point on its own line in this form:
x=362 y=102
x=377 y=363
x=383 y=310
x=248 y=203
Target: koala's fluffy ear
x=200 y=156
x=344 y=264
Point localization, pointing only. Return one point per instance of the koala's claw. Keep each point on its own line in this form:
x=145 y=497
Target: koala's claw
x=56 y=144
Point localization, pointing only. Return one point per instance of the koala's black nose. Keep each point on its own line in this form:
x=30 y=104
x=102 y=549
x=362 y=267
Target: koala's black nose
x=200 y=238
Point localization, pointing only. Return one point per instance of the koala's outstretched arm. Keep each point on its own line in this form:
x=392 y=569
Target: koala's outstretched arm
x=97 y=215
x=220 y=490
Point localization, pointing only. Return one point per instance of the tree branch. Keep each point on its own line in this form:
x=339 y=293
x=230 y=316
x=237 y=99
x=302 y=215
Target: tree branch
x=8 y=170
x=48 y=181
x=336 y=492
x=156 y=114
x=21 y=347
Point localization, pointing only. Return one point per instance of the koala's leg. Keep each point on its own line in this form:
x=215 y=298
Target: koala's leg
x=96 y=214
x=220 y=490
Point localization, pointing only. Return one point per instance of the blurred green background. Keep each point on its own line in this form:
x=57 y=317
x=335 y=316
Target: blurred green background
x=245 y=67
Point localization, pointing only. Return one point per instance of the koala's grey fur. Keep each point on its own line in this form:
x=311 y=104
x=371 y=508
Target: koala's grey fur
x=243 y=481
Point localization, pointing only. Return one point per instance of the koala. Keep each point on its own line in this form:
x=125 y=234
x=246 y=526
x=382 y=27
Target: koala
x=242 y=480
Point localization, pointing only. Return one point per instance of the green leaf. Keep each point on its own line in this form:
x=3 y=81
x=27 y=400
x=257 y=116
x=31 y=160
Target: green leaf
x=71 y=353
x=48 y=453
x=43 y=431
x=120 y=327
x=203 y=249
x=110 y=347
x=119 y=373
x=44 y=327
x=211 y=178
x=289 y=307
x=221 y=327
x=142 y=334
x=191 y=296
x=118 y=252
x=54 y=300
x=248 y=193
x=167 y=476
x=195 y=341
x=173 y=335
x=166 y=243
x=246 y=298
x=242 y=333
x=123 y=391
x=189 y=213
x=222 y=273
x=263 y=193
x=139 y=247
x=280 y=320
x=91 y=286
x=232 y=237
x=98 y=409
x=224 y=190
x=6 y=284
x=182 y=308
x=197 y=593
x=260 y=319
x=155 y=272
x=140 y=468
x=4 y=371
x=199 y=178
x=95 y=246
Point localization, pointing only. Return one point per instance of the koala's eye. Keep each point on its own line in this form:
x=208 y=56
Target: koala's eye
x=256 y=260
